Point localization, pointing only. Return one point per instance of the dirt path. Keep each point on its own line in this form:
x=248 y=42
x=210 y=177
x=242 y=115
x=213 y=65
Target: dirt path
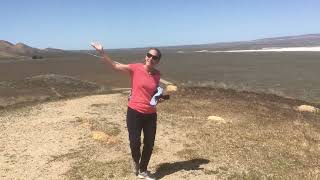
x=32 y=137
x=82 y=138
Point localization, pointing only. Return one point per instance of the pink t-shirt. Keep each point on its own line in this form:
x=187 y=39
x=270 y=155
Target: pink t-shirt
x=143 y=87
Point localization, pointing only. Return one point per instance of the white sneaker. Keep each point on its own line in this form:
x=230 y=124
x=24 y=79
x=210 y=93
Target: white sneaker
x=145 y=175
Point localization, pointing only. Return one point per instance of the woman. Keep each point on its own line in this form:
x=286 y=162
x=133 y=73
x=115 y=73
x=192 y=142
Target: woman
x=141 y=116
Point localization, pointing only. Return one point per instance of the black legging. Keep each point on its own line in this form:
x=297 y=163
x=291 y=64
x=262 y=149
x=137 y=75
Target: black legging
x=136 y=122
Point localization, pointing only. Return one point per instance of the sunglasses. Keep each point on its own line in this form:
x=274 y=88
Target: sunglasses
x=156 y=58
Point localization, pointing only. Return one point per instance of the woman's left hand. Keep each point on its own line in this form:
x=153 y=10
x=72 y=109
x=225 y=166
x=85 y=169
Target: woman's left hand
x=97 y=46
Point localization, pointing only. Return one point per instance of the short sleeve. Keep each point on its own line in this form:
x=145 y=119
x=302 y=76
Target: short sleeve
x=132 y=67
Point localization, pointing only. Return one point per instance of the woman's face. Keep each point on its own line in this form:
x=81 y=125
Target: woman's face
x=152 y=58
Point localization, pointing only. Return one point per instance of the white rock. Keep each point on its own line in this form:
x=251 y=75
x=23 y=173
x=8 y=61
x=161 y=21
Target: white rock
x=171 y=88
x=307 y=108
x=217 y=119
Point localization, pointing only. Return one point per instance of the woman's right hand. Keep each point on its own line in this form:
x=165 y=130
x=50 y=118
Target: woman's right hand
x=97 y=46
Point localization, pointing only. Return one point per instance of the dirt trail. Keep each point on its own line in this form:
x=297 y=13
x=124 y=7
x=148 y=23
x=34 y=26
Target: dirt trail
x=54 y=140
x=30 y=138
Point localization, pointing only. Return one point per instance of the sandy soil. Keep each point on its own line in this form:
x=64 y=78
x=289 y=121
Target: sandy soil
x=31 y=137
x=45 y=141
x=261 y=136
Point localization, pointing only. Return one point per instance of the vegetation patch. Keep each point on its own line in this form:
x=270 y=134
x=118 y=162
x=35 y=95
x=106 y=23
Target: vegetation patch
x=99 y=170
x=103 y=125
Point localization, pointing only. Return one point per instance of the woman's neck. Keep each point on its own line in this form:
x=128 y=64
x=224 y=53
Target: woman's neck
x=149 y=69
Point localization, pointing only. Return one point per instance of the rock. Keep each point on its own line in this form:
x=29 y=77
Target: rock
x=307 y=108
x=217 y=119
x=101 y=136
x=171 y=88
x=98 y=135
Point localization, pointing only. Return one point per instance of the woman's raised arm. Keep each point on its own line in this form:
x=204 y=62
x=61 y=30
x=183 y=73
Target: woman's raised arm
x=114 y=65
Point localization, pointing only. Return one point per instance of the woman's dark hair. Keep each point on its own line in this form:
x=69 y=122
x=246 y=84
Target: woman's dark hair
x=158 y=51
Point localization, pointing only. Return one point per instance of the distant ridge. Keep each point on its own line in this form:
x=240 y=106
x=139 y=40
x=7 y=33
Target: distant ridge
x=23 y=49
x=9 y=50
x=305 y=37
x=5 y=43
x=306 y=40
x=54 y=50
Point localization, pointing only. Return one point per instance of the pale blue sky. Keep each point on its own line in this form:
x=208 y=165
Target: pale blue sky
x=71 y=24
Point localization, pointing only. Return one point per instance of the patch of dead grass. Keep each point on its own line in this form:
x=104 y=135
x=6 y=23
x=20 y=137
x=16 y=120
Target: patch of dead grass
x=263 y=143
x=99 y=170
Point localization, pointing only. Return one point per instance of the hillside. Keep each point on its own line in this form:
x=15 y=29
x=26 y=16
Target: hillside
x=21 y=50
x=260 y=137
x=18 y=49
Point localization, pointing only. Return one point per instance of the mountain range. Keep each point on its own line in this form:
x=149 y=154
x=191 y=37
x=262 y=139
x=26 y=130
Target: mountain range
x=9 y=50
x=306 y=40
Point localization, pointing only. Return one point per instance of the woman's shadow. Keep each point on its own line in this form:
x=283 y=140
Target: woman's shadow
x=170 y=168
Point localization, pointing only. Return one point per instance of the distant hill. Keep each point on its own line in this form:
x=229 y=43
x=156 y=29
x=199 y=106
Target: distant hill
x=20 y=50
x=54 y=50
x=307 y=40
x=24 y=49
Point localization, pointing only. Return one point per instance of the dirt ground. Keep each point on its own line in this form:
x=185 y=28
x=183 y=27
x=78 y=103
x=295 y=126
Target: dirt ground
x=262 y=137
x=53 y=140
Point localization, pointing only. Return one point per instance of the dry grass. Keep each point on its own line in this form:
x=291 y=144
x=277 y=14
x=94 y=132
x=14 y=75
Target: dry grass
x=99 y=170
x=265 y=137
x=85 y=161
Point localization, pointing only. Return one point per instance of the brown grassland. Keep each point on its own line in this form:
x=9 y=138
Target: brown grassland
x=64 y=118
x=262 y=137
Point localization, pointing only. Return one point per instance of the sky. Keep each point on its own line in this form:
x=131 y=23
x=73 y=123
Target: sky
x=73 y=24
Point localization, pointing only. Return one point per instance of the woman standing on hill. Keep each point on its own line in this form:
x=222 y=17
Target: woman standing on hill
x=141 y=116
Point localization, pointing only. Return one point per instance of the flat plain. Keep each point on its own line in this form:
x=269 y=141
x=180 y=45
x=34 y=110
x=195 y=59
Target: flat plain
x=63 y=117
